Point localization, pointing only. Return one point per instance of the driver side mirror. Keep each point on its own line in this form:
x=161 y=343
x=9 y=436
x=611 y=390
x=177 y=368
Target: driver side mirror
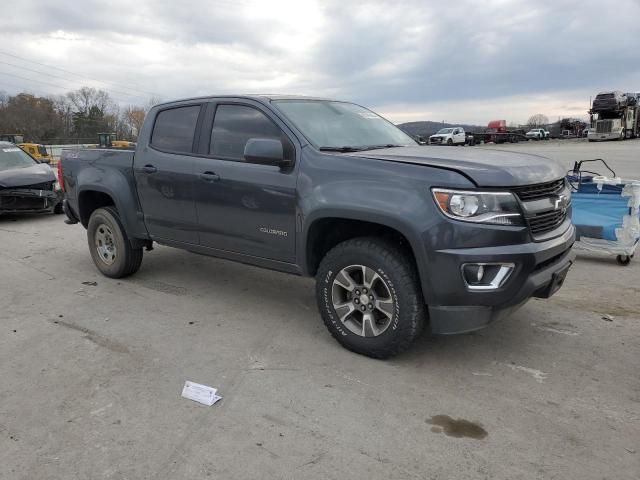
x=265 y=151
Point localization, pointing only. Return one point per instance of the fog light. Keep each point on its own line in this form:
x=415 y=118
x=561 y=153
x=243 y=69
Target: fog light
x=486 y=276
x=473 y=272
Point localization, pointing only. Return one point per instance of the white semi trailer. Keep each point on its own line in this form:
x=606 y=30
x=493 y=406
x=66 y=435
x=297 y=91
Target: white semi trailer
x=614 y=116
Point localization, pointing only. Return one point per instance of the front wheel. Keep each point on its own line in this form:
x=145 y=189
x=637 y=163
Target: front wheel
x=109 y=244
x=449 y=142
x=369 y=297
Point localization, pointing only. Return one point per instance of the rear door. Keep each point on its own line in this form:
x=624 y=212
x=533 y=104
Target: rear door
x=164 y=173
x=243 y=207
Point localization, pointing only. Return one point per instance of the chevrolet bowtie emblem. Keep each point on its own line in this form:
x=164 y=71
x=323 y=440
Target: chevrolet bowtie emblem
x=561 y=202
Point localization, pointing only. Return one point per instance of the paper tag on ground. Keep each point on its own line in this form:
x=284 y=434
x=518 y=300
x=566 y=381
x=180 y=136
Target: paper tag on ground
x=200 y=393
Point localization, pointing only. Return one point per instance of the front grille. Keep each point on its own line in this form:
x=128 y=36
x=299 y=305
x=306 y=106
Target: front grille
x=23 y=203
x=35 y=186
x=546 y=221
x=604 y=126
x=541 y=190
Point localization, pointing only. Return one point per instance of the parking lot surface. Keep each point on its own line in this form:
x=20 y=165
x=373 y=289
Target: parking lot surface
x=92 y=368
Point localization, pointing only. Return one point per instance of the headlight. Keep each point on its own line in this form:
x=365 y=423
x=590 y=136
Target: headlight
x=498 y=208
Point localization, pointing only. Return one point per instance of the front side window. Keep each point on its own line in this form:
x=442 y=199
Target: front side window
x=329 y=124
x=174 y=129
x=234 y=125
x=13 y=157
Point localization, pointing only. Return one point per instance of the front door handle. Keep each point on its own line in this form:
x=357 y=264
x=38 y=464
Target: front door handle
x=149 y=169
x=209 y=176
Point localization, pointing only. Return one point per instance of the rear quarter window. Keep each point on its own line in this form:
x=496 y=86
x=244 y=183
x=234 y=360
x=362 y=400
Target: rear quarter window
x=175 y=128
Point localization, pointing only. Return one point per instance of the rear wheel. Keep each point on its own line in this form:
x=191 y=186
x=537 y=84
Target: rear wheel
x=369 y=297
x=109 y=245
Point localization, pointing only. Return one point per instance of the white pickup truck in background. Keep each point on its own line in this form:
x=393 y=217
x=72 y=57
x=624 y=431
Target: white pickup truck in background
x=538 y=134
x=448 y=136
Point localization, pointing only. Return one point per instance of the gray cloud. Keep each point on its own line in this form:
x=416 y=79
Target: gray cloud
x=394 y=54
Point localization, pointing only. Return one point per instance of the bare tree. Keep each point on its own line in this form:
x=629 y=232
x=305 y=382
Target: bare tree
x=538 y=120
x=74 y=116
x=134 y=117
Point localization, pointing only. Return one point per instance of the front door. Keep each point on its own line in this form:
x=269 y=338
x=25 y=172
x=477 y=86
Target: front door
x=243 y=207
x=164 y=174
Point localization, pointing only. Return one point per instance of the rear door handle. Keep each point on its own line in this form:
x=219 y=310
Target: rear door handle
x=209 y=177
x=149 y=169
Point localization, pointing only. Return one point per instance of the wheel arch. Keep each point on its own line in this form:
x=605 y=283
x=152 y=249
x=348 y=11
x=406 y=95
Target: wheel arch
x=110 y=188
x=326 y=231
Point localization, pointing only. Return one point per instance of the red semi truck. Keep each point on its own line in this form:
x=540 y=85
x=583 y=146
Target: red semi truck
x=496 y=132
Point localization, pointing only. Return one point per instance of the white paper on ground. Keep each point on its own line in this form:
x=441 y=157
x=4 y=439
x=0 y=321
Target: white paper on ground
x=200 y=393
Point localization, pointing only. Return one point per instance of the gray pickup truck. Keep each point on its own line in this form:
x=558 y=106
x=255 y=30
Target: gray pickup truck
x=398 y=235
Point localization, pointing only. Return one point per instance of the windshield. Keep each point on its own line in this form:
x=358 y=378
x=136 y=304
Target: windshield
x=445 y=130
x=337 y=125
x=42 y=151
x=14 y=157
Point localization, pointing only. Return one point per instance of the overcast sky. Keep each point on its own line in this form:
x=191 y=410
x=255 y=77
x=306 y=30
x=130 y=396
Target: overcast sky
x=458 y=61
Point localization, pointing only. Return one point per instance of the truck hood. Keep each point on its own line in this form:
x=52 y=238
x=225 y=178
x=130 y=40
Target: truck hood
x=20 y=177
x=485 y=167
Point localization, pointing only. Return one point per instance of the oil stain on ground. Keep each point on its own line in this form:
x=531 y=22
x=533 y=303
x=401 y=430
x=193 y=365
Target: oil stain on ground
x=457 y=428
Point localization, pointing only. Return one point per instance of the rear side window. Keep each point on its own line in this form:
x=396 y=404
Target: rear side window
x=174 y=129
x=234 y=125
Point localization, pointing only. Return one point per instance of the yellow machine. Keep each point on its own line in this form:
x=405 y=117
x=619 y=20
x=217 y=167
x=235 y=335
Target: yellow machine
x=108 y=140
x=39 y=152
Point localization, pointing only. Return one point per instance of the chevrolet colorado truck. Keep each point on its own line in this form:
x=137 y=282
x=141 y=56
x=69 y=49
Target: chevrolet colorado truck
x=398 y=236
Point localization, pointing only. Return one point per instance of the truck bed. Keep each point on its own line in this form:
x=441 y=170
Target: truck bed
x=93 y=170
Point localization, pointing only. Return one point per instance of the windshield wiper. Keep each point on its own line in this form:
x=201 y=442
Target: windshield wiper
x=377 y=147
x=342 y=149
x=359 y=149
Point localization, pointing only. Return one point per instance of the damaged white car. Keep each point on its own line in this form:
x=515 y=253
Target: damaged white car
x=26 y=185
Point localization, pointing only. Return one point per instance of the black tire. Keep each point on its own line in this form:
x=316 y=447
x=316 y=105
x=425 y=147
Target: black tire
x=58 y=208
x=396 y=269
x=127 y=259
x=449 y=142
x=624 y=260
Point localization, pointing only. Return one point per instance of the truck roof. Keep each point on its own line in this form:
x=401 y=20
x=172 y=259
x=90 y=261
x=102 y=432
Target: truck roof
x=259 y=97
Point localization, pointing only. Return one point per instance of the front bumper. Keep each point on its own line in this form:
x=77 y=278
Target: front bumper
x=601 y=137
x=26 y=200
x=539 y=271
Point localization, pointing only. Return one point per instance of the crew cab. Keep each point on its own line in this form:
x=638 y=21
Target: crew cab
x=538 y=134
x=448 y=136
x=398 y=236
